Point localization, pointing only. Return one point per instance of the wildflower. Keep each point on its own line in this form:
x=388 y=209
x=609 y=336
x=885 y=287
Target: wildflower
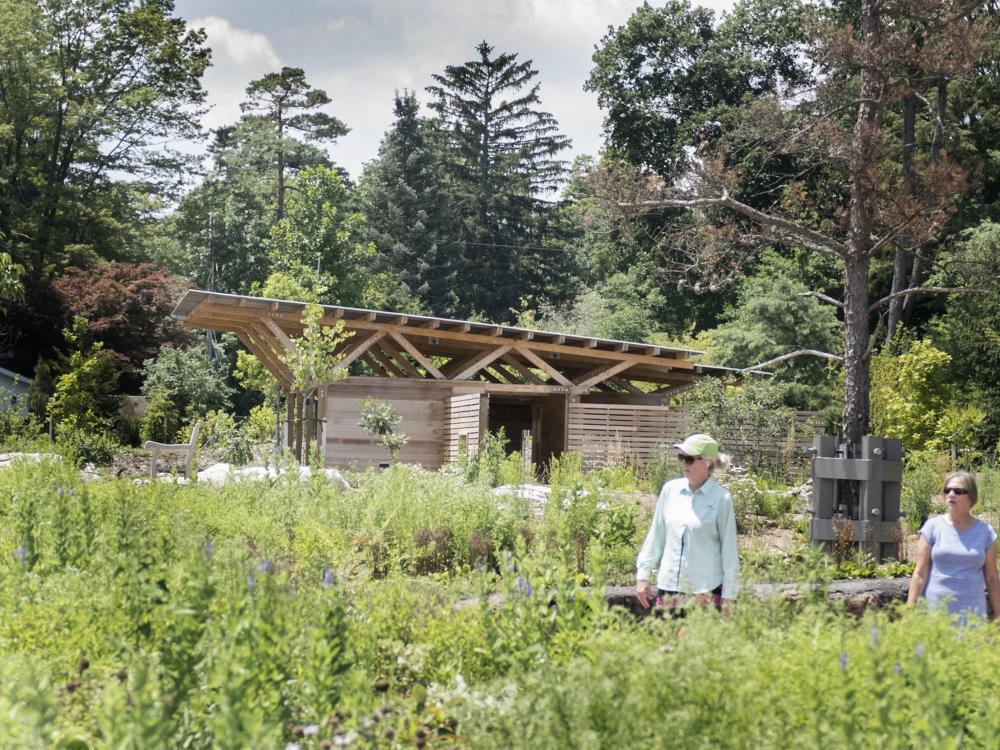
x=21 y=554
x=328 y=579
x=843 y=661
x=310 y=730
x=251 y=582
x=265 y=566
x=341 y=740
x=919 y=650
x=875 y=632
x=519 y=582
x=209 y=550
x=897 y=668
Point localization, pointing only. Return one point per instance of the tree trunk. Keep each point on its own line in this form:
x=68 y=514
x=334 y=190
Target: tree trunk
x=900 y=275
x=856 y=264
x=917 y=274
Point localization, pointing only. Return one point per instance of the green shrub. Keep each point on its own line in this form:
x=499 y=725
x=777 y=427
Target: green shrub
x=97 y=446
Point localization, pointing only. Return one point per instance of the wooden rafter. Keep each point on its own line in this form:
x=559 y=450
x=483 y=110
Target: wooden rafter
x=599 y=373
x=507 y=372
x=625 y=385
x=398 y=357
x=480 y=360
x=278 y=333
x=267 y=358
x=544 y=366
x=524 y=372
x=375 y=365
x=361 y=347
x=386 y=361
x=416 y=354
x=492 y=377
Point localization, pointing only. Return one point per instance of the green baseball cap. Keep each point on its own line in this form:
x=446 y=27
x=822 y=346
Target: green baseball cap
x=700 y=445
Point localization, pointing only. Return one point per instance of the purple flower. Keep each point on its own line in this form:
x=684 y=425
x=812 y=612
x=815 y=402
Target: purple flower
x=251 y=582
x=843 y=661
x=328 y=579
x=897 y=668
x=209 y=550
x=265 y=566
x=875 y=632
x=919 y=650
x=21 y=554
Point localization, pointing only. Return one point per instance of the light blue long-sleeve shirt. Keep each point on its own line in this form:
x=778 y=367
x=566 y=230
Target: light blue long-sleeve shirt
x=692 y=540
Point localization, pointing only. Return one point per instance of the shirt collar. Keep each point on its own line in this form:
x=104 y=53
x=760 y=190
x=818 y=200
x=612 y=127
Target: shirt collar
x=705 y=487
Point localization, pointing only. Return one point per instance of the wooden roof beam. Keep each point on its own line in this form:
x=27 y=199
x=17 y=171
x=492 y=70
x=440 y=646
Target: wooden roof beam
x=278 y=333
x=398 y=357
x=388 y=363
x=480 y=360
x=377 y=365
x=267 y=358
x=625 y=385
x=523 y=371
x=361 y=347
x=508 y=372
x=542 y=365
x=599 y=373
x=416 y=354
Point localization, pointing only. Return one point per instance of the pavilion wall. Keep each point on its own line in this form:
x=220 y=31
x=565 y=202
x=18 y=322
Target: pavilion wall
x=421 y=404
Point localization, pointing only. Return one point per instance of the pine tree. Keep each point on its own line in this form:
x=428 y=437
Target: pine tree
x=501 y=154
x=287 y=103
x=404 y=199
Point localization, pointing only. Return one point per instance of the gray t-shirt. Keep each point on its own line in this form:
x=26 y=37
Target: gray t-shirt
x=957 y=562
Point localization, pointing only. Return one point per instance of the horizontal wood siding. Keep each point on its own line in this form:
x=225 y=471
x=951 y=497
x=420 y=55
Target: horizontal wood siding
x=620 y=433
x=421 y=407
x=463 y=415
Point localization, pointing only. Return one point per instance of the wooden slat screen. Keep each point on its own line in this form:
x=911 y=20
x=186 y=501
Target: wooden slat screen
x=463 y=416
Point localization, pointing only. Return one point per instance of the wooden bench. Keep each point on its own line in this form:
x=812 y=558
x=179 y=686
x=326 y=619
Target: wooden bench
x=185 y=449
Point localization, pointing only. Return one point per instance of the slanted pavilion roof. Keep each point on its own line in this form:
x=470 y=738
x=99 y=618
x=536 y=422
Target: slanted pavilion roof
x=480 y=355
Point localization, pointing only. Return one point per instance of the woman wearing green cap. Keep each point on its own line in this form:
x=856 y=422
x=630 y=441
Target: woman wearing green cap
x=692 y=539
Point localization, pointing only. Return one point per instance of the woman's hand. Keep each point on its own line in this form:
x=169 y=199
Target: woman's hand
x=644 y=593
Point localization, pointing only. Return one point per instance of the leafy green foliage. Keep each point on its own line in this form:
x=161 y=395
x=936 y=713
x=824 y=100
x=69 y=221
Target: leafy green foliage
x=380 y=420
x=761 y=428
x=320 y=241
x=912 y=398
x=774 y=317
x=192 y=382
x=86 y=393
x=312 y=360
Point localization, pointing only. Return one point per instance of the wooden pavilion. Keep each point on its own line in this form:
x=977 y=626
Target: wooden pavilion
x=452 y=381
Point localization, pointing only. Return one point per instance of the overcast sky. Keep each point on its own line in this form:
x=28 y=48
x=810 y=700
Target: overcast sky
x=361 y=51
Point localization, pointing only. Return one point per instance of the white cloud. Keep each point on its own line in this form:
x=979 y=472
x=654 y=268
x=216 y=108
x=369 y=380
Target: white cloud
x=238 y=57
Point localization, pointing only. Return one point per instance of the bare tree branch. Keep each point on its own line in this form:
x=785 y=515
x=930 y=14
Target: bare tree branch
x=926 y=290
x=824 y=297
x=810 y=238
x=799 y=353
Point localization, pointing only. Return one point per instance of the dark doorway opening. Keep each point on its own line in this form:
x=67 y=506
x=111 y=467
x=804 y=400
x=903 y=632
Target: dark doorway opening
x=514 y=416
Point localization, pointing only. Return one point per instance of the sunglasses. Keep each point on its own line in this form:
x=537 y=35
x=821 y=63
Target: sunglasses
x=688 y=459
x=955 y=491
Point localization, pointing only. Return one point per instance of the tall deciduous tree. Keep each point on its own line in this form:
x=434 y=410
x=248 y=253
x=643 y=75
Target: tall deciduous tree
x=852 y=209
x=320 y=242
x=89 y=89
x=503 y=160
x=289 y=105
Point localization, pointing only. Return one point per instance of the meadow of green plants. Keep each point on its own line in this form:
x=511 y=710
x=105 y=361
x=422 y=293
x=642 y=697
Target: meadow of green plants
x=297 y=615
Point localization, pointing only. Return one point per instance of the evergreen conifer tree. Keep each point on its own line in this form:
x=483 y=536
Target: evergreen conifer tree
x=502 y=160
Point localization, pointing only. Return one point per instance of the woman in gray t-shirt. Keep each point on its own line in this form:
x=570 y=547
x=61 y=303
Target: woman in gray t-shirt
x=957 y=555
